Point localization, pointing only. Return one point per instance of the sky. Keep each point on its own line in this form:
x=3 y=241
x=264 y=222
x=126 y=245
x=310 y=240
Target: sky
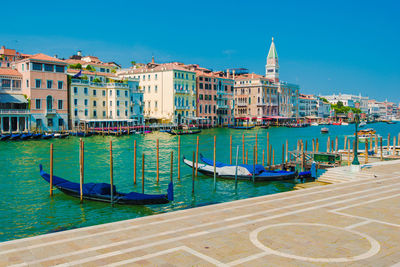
x=324 y=46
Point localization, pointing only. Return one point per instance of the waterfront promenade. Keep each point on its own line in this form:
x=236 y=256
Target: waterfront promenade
x=353 y=223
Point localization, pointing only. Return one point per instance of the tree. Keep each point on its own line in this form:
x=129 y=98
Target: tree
x=75 y=66
x=90 y=68
x=84 y=77
x=133 y=63
x=324 y=100
x=96 y=80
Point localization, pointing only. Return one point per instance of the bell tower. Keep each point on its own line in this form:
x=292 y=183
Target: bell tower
x=272 y=67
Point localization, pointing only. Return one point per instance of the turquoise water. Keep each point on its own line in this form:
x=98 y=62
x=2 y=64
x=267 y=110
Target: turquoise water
x=27 y=209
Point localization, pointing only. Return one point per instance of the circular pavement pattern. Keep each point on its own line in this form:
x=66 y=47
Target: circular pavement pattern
x=314 y=242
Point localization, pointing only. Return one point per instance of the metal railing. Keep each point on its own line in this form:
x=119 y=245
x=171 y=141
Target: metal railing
x=15 y=111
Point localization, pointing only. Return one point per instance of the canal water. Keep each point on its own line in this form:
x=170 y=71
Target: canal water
x=27 y=210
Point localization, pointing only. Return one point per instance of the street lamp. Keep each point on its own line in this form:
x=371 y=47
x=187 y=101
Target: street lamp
x=355 y=160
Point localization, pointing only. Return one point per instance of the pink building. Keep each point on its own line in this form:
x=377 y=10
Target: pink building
x=44 y=82
x=214 y=97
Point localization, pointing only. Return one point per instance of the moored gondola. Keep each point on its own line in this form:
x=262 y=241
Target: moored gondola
x=102 y=192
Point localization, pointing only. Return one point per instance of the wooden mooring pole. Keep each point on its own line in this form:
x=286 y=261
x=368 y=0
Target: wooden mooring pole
x=243 y=148
x=381 y=143
x=193 y=175
x=143 y=173
x=51 y=169
x=111 y=175
x=134 y=162
x=215 y=159
x=81 y=169
x=230 y=149
x=158 y=161
x=179 y=157
x=366 y=152
x=256 y=149
x=197 y=155
x=172 y=166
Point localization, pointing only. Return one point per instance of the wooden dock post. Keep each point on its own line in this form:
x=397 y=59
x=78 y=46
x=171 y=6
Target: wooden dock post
x=394 y=145
x=328 y=144
x=111 y=175
x=348 y=152
x=263 y=158
x=179 y=157
x=287 y=150
x=254 y=164
x=388 y=145
x=247 y=154
x=143 y=173
x=215 y=159
x=317 y=146
x=197 y=155
x=230 y=150
x=376 y=144
x=256 y=149
x=51 y=169
x=134 y=162
x=336 y=144
x=237 y=156
x=81 y=169
x=366 y=151
x=313 y=146
x=283 y=155
x=172 y=166
x=158 y=161
x=273 y=157
x=345 y=143
x=381 y=143
x=268 y=154
x=193 y=174
x=302 y=156
x=243 y=148
x=355 y=148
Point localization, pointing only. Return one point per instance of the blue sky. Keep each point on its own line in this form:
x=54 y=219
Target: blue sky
x=340 y=46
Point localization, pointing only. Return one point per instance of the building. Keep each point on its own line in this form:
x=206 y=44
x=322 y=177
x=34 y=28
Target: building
x=308 y=106
x=324 y=109
x=8 y=57
x=104 y=100
x=288 y=99
x=256 y=97
x=14 y=107
x=44 y=83
x=169 y=91
x=272 y=66
x=349 y=100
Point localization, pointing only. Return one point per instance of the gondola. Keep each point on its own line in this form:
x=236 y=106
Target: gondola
x=36 y=136
x=61 y=135
x=241 y=127
x=264 y=126
x=15 y=136
x=184 y=132
x=244 y=172
x=26 y=136
x=102 y=192
x=81 y=134
x=4 y=137
x=47 y=136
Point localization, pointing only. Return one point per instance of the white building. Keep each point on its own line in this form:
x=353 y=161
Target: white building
x=349 y=100
x=169 y=91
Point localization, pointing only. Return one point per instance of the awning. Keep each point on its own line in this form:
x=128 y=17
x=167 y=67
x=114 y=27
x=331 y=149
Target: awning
x=9 y=98
x=108 y=120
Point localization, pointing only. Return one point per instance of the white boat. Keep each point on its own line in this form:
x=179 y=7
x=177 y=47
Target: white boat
x=345 y=123
x=325 y=130
x=314 y=124
x=362 y=124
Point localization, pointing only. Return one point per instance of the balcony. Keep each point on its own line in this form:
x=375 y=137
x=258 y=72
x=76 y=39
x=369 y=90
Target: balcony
x=223 y=107
x=117 y=85
x=78 y=81
x=224 y=93
x=51 y=112
x=182 y=91
x=261 y=104
x=241 y=104
x=15 y=111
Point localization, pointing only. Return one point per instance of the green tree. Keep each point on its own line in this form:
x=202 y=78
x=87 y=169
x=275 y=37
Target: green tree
x=133 y=63
x=96 y=80
x=90 y=68
x=77 y=66
x=324 y=100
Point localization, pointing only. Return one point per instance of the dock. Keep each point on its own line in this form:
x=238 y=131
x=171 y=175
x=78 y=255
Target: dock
x=353 y=222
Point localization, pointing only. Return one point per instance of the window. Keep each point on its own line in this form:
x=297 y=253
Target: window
x=86 y=112
x=94 y=92
x=38 y=83
x=102 y=70
x=76 y=112
x=118 y=113
x=148 y=89
x=200 y=108
x=148 y=76
x=156 y=104
x=126 y=93
x=110 y=103
x=86 y=102
x=117 y=103
x=110 y=113
x=60 y=84
x=85 y=90
x=60 y=122
x=94 y=103
x=6 y=83
x=48 y=67
x=50 y=122
x=126 y=103
x=104 y=113
x=27 y=83
x=94 y=113
x=59 y=68
x=126 y=113
x=104 y=103
x=37 y=66
x=110 y=92
x=75 y=102
x=200 y=97
x=156 y=89
x=156 y=76
x=38 y=104
x=117 y=92
x=75 y=90
x=39 y=123
x=60 y=104
x=49 y=84
x=104 y=92
x=16 y=84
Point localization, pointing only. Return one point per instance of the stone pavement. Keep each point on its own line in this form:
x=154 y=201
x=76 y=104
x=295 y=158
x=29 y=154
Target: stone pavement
x=354 y=223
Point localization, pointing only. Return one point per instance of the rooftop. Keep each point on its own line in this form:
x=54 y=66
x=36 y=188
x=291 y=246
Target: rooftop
x=9 y=72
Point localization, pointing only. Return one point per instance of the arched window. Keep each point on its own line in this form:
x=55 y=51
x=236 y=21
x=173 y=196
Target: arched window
x=49 y=102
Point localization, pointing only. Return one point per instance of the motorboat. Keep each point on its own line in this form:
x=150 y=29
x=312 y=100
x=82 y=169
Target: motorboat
x=325 y=130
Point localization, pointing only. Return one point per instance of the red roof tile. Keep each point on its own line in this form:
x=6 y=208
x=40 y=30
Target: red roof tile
x=10 y=72
x=44 y=57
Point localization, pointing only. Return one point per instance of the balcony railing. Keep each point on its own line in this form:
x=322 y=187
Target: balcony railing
x=222 y=106
x=182 y=91
x=15 y=111
x=50 y=112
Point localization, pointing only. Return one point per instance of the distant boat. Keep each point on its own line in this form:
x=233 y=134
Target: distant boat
x=15 y=136
x=264 y=126
x=240 y=127
x=47 y=136
x=4 y=137
x=102 y=192
x=362 y=124
x=344 y=124
x=26 y=136
x=324 y=130
x=36 y=136
x=314 y=124
x=184 y=131
x=336 y=123
x=61 y=135
x=391 y=122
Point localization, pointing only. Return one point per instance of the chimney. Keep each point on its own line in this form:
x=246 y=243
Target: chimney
x=79 y=53
x=227 y=73
x=152 y=59
x=233 y=74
